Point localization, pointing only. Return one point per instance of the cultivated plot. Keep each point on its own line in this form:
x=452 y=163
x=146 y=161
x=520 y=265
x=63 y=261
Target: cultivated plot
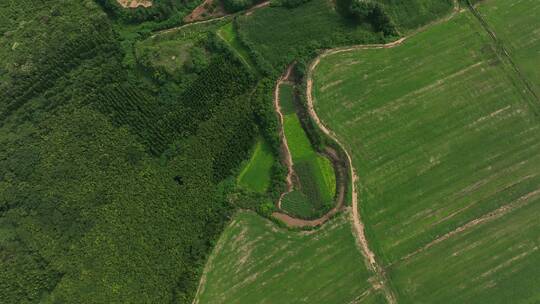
x=255 y=262
x=447 y=148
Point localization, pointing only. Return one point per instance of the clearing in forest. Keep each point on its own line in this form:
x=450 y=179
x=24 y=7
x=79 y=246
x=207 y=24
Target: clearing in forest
x=256 y=262
x=448 y=159
x=256 y=174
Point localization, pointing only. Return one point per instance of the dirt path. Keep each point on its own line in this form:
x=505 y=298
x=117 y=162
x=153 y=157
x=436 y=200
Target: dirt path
x=246 y=13
x=491 y=216
x=359 y=228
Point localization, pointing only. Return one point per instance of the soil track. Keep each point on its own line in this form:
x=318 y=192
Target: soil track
x=194 y=21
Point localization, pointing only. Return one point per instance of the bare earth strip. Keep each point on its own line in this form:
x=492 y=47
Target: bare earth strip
x=491 y=216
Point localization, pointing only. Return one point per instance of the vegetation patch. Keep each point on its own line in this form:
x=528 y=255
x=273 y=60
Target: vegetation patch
x=316 y=179
x=257 y=173
x=255 y=262
x=408 y=15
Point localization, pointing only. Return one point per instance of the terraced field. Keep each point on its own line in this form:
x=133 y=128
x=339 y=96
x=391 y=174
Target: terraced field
x=445 y=138
x=255 y=262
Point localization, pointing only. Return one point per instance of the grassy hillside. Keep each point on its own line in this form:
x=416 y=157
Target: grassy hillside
x=443 y=133
x=255 y=262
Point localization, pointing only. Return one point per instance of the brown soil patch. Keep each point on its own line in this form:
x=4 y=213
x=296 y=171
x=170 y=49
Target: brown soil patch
x=135 y=3
x=207 y=10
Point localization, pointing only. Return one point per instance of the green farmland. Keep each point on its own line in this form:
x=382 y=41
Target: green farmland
x=255 y=262
x=317 y=180
x=446 y=142
x=256 y=174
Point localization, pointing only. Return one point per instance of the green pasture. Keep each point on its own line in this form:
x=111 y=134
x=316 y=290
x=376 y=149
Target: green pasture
x=317 y=180
x=441 y=134
x=257 y=173
x=256 y=262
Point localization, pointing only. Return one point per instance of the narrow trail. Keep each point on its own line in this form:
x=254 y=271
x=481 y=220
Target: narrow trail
x=245 y=12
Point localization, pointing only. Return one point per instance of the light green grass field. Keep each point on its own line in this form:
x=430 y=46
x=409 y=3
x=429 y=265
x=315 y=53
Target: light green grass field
x=315 y=172
x=256 y=175
x=441 y=134
x=228 y=34
x=255 y=262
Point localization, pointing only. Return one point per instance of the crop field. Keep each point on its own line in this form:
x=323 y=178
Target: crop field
x=256 y=175
x=315 y=172
x=448 y=158
x=255 y=262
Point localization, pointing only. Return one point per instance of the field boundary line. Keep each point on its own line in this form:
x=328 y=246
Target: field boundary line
x=287 y=157
x=505 y=54
x=486 y=218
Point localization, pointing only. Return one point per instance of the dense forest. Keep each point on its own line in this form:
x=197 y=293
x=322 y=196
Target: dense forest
x=116 y=174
